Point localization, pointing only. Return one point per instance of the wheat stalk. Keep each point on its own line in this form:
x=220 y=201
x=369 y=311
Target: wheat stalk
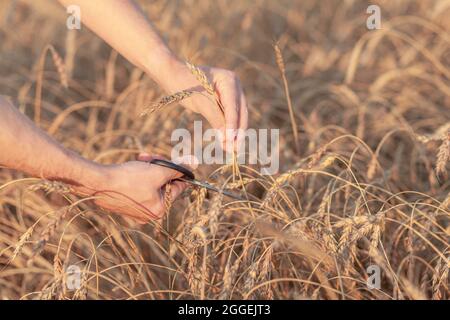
x=40 y=75
x=282 y=67
x=168 y=201
x=440 y=276
x=443 y=155
x=250 y=279
x=348 y=226
x=198 y=275
x=374 y=238
x=49 y=230
x=330 y=240
x=82 y=292
x=372 y=168
x=437 y=135
x=214 y=212
x=316 y=156
x=205 y=83
x=266 y=269
x=22 y=241
x=240 y=183
x=229 y=275
x=202 y=78
x=60 y=67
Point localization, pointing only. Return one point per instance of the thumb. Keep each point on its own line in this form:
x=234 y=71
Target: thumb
x=146 y=157
x=165 y=175
x=143 y=156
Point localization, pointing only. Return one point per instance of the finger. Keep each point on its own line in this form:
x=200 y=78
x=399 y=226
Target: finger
x=146 y=157
x=177 y=187
x=243 y=122
x=212 y=113
x=229 y=98
x=137 y=213
x=165 y=175
x=243 y=113
x=143 y=156
x=132 y=220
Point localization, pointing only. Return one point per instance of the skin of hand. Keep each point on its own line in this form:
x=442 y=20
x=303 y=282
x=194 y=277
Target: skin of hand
x=229 y=90
x=134 y=189
x=124 y=26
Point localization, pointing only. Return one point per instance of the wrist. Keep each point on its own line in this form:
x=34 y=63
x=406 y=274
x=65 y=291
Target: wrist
x=171 y=74
x=162 y=67
x=85 y=176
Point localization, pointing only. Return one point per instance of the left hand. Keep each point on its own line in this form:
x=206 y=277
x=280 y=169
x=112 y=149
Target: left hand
x=229 y=90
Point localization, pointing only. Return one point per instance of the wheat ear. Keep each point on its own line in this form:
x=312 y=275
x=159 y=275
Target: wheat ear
x=51 y=186
x=165 y=101
x=60 y=67
x=443 y=155
x=282 y=67
x=206 y=84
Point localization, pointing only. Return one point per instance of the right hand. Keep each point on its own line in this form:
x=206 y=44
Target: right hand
x=135 y=189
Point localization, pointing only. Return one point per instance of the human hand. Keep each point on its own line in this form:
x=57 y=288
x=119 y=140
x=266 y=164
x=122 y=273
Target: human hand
x=135 y=189
x=229 y=91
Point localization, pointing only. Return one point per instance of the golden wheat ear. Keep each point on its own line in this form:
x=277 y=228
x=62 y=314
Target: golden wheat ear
x=443 y=155
x=205 y=83
x=201 y=77
x=166 y=101
x=60 y=67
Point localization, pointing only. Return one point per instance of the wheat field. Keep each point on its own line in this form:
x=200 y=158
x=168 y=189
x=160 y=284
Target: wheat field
x=364 y=155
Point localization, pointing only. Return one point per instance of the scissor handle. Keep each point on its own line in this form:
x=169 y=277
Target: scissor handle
x=168 y=164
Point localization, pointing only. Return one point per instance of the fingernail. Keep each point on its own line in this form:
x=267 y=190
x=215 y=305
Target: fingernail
x=144 y=156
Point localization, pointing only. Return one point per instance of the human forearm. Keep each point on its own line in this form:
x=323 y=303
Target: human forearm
x=132 y=188
x=123 y=26
x=27 y=148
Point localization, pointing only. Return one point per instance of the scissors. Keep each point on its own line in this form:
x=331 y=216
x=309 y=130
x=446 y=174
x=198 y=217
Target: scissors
x=189 y=177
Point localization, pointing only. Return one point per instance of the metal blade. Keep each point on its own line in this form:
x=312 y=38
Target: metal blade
x=212 y=188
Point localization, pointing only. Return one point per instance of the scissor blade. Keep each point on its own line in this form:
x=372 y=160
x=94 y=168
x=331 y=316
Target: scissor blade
x=212 y=188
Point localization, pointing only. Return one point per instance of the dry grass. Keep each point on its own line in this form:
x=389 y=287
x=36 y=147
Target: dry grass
x=368 y=184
